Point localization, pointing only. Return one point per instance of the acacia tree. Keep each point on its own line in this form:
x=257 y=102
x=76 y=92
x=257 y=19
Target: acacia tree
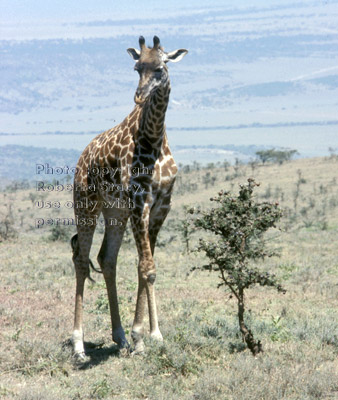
x=277 y=156
x=239 y=224
x=186 y=228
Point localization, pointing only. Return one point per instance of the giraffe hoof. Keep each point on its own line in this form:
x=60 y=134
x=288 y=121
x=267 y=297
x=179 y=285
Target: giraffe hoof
x=124 y=348
x=119 y=338
x=138 y=343
x=139 y=349
x=80 y=358
x=124 y=352
x=157 y=335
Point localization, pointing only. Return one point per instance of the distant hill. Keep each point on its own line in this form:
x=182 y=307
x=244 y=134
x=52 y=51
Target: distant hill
x=20 y=162
x=251 y=66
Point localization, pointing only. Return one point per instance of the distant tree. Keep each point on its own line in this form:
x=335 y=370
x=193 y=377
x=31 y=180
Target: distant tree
x=296 y=192
x=282 y=156
x=208 y=179
x=7 y=228
x=196 y=165
x=237 y=166
x=239 y=224
x=186 y=228
x=333 y=153
x=264 y=155
x=32 y=197
x=68 y=178
x=186 y=169
x=226 y=165
x=278 y=156
x=253 y=165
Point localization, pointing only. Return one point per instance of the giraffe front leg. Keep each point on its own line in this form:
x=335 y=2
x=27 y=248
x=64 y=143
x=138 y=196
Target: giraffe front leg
x=155 y=332
x=146 y=280
x=157 y=216
x=137 y=329
x=146 y=292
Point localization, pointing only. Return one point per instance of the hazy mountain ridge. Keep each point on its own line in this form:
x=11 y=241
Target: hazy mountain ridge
x=248 y=68
x=19 y=162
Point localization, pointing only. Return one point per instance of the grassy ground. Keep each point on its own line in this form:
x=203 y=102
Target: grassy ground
x=202 y=357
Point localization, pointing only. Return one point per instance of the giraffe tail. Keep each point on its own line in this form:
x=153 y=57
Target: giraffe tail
x=74 y=245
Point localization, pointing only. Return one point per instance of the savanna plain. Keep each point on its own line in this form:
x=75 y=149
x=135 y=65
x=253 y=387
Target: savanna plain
x=202 y=356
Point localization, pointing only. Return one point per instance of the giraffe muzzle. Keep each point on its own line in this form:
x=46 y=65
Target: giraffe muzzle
x=138 y=99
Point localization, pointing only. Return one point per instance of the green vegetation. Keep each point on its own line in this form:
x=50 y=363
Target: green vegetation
x=239 y=224
x=7 y=229
x=59 y=232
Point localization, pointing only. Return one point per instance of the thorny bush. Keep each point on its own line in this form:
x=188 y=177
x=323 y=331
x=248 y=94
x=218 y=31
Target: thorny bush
x=239 y=224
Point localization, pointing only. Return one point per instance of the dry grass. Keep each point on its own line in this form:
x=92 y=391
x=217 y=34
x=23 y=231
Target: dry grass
x=202 y=357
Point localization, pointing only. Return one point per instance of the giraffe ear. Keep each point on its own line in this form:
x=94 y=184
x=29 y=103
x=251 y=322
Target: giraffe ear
x=134 y=54
x=175 y=56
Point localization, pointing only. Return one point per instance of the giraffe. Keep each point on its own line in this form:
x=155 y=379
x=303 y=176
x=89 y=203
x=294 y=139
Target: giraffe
x=127 y=172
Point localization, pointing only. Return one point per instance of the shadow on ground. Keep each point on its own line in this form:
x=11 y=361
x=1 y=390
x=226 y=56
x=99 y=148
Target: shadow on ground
x=96 y=353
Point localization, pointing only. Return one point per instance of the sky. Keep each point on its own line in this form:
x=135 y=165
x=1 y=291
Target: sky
x=43 y=19
x=38 y=10
x=21 y=10
x=48 y=19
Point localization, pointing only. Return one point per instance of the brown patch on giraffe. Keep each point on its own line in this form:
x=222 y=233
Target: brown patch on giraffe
x=116 y=151
x=124 y=152
x=133 y=118
x=125 y=140
x=106 y=148
x=110 y=159
x=129 y=159
x=170 y=163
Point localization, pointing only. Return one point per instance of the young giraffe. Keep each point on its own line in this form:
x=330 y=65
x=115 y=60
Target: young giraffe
x=127 y=171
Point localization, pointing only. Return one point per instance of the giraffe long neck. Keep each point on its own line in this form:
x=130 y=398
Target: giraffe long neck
x=152 y=126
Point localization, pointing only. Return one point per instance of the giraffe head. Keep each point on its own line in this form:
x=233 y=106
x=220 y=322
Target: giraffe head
x=151 y=66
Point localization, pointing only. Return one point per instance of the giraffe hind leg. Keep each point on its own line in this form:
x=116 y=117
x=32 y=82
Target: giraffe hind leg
x=107 y=259
x=73 y=243
x=81 y=244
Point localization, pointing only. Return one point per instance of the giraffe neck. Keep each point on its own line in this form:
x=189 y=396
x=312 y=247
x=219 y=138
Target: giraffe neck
x=152 y=126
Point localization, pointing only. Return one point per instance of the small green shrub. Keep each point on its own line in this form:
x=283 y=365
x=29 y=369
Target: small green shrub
x=238 y=224
x=7 y=228
x=59 y=233
x=170 y=358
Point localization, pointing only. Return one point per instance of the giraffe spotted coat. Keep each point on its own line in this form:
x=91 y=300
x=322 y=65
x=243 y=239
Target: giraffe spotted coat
x=127 y=172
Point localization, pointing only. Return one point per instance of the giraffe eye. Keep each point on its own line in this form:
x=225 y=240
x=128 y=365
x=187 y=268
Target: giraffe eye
x=159 y=70
x=138 y=67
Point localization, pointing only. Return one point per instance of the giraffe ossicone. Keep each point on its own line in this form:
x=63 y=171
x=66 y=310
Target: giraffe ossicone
x=128 y=164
